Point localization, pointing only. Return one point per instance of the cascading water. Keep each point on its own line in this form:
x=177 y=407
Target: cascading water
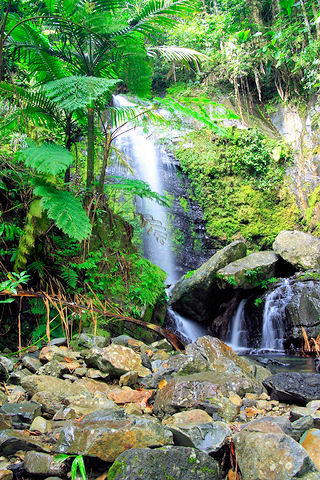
x=237 y=337
x=273 y=316
x=152 y=163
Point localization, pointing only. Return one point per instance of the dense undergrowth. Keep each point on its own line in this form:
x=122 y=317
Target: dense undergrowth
x=240 y=183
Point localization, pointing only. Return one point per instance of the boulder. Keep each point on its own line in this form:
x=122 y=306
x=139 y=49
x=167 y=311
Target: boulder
x=174 y=463
x=61 y=354
x=106 y=433
x=207 y=437
x=38 y=463
x=248 y=272
x=264 y=452
x=300 y=413
x=31 y=363
x=22 y=414
x=299 y=249
x=88 y=341
x=193 y=295
x=116 y=360
x=303 y=310
x=293 y=387
x=13 y=440
x=6 y=367
x=311 y=442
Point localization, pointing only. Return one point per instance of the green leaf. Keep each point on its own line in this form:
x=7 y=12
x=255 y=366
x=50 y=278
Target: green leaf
x=49 y=158
x=81 y=466
x=64 y=209
x=76 y=92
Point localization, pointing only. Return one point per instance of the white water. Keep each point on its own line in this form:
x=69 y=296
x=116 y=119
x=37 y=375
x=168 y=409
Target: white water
x=146 y=159
x=237 y=335
x=273 y=316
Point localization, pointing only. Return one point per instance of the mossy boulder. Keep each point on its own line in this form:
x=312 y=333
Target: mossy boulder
x=193 y=295
x=299 y=249
x=168 y=463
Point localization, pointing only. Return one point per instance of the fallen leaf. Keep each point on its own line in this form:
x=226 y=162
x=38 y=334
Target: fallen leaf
x=162 y=384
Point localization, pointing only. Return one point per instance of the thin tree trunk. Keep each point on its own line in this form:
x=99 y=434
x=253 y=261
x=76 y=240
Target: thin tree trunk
x=306 y=21
x=106 y=155
x=315 y=14
x=2 y=37
x=90 y=148
x=67 y=175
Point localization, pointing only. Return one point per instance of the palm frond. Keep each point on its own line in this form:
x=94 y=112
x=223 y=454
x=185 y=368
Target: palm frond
x=49 y=158
x=184 y=56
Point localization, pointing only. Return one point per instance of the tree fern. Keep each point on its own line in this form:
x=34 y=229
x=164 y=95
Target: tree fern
x=49 y=158
x=64 y=209
x=76 y=92
x=69 y=276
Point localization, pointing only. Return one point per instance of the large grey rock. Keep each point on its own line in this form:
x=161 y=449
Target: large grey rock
x=303 y=310
x=207 y=437
x=264 y=452
x=107 y=433
x=31 y=363
x=22 y=414
x=293 y=387
x=298 y=248
x=247 y=272
x=89 y=341
x=174 y=463
x=116 y=360
x=39 y=463
x=193 y=296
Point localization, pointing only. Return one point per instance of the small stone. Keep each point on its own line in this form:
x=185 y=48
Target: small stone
x=251 y=396
x=235 y=399
x=31 y=363
x=80 y=372
x=65 y=414
x=315 y=404
x=160 y=355
x=264 y=396
x=130 y=396
x=128 y=379
x=40 y=424
x=189 y=417
x=133 y=409
x=263 y=405
x=5 y=421
x=53 y=368
x=17 y=395
x=41 y=463
x=94 y=373
x=162 y=345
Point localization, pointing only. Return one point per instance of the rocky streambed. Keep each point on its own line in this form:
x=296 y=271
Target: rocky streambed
x=136 y=411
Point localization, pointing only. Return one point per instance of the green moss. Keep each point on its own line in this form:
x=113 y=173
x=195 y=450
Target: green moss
x=313 y=202
x=240 y=184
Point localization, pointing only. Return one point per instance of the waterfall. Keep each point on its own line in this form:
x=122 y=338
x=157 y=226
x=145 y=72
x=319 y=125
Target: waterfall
x=152 y=164
x=237 y=334
x=146 y=158
x=273 y=316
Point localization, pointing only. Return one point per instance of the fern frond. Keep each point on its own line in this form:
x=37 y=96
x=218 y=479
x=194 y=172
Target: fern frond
x=181 y=55
x=49 y=158
x=72 y=93
x=69 y=276
x=135 y=187
x=64 y=209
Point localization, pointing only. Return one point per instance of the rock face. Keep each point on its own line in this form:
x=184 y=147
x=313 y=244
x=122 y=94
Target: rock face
x=248 y=271
x=293 y=387
x=303 y=310
x=106 y=433
x=298 y=248
x=264 y=452
x=193 y=296
x=174 y=463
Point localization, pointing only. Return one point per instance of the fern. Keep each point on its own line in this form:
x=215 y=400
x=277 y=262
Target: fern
x=10 y=231
x=136 y=187
x=76 y=92
x=69 y=276
x=48 y=158
x=65 y=210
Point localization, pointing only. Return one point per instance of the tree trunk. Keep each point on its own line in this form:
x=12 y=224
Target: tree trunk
x=315 y=14
x=67 y=175
x=90 y=148
x=106 y=155
x=305 y=17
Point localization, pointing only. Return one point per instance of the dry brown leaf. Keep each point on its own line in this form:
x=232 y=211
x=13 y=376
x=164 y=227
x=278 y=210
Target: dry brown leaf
x=162 y=384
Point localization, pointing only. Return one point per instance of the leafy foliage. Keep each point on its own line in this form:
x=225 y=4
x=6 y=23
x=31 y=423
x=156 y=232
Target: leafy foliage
x=50 y=159
x=64 y=209
x=135 y=187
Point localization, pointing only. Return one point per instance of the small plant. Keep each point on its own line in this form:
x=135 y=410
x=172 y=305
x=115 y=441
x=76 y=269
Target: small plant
x=78 y=463
x=189 y=274
x=258 y=302
x=10 y=286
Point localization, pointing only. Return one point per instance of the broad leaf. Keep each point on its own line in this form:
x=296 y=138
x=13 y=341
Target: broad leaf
x=64 y=209
x=49 y=158
x=76 y=92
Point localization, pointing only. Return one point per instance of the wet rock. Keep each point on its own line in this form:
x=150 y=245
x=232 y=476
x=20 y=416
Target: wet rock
x=265 y=424
x=162 y=345
x=199 y=389
x=94 y=373
x=121 y=340
x=59 y=354
x=6 y=367
x=297 y=413
x=303 y=310
x=293 y=387
x=298 y=248
x=65 y=414
x=17 y=376
x=207 y=437
x=311 y=442
x=41 y=425
x=106 y=433
x=88 y=341
x=53 y=368
x=300 y=426
x=11 y=441
x=6 y=475
x=121 y=397
x=17 y=395
x=116 y=360
x=189 y=417
x=194 y=296
x=31 y=363
x=264 y=452
x=128 y=379
x=22 y=414
x=176 y=463
x=38 y=463
x=248 y=271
